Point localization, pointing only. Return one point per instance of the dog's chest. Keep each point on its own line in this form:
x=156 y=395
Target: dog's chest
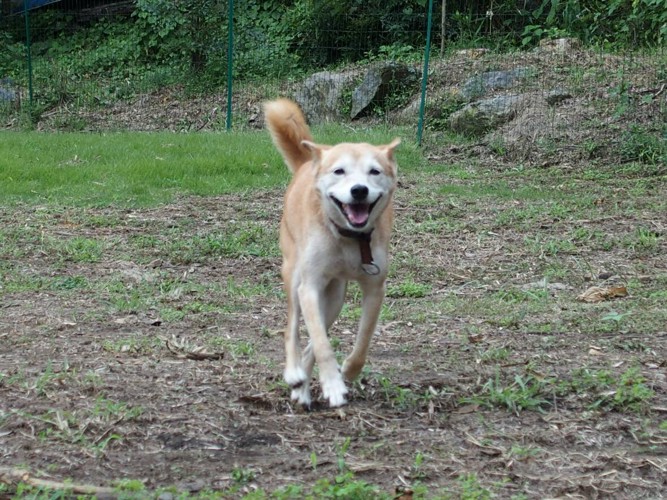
x=346 y=260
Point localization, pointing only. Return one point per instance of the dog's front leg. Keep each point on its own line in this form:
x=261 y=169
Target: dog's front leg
x=312 y=307
x=371 y=304
x=295 y=375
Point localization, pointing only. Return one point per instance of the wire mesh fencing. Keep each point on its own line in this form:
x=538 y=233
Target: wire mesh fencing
x=190 y=66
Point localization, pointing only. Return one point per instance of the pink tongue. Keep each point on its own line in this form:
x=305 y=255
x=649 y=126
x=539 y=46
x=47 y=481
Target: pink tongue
x=356 y=213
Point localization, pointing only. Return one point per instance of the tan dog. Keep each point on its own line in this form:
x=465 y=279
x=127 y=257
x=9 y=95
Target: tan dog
x=335 y=228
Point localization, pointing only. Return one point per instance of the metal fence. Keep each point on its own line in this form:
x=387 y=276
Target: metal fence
x=526 y=105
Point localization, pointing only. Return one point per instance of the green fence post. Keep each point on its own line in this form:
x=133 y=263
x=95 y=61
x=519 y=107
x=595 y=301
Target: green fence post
x=427 y=52
x=28 y=50
x=230 y=54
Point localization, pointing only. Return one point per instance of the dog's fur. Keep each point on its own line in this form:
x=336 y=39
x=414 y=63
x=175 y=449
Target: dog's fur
x=338 y=196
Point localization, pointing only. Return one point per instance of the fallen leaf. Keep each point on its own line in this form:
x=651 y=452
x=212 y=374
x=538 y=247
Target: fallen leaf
x=618 y=291
x=598 y=293
x=471 y=408
x=475 y=338
x=181 y=349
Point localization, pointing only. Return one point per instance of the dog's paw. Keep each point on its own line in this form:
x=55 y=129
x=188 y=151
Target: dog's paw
x=334 y=391
x=295 y=377
x=302 y=395
x=351 y=369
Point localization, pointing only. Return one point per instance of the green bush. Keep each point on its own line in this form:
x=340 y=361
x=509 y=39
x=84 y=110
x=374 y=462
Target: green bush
x=12 y=57
x=644 y=145
x=609 y=22
x=263 y=41
x=332 y=32
x=193 y=35
x=107 y=48
x=181 y=33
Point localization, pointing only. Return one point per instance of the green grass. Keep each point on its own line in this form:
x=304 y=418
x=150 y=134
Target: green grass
x=627 y=392
x=133 y=169
x=597 y=389
x=248 y=239
x=409 y=289
x=523 y=393
x=143 y=169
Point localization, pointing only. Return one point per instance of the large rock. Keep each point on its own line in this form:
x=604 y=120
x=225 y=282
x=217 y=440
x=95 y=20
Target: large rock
x=560 y=45
x=321 y=96
x=479 y=85
x=480 y=117
x=556 y=96
x=381 y=81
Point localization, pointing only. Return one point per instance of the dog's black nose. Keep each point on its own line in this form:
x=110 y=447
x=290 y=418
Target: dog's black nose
x=359 y=192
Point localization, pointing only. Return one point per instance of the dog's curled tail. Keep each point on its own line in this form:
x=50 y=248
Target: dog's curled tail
x=288 y=129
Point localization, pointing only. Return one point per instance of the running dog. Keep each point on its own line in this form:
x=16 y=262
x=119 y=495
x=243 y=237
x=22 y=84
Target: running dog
x=335 y=228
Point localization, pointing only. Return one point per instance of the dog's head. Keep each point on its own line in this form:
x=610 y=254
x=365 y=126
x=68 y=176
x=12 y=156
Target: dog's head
x=356 y=180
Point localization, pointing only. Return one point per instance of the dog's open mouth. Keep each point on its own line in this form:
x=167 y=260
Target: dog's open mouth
x=357 y=214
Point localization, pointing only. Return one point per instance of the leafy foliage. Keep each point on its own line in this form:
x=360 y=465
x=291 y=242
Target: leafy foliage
x=614 y=22
x=330 y=32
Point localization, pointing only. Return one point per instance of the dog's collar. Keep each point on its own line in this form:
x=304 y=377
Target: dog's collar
x=364 y=239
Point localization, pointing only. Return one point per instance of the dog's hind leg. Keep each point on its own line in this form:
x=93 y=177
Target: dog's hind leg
x=371 y=304
x=334 y=296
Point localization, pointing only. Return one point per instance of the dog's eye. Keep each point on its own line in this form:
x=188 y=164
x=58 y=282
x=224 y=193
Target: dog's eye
x=339 y=171
x=374 y=171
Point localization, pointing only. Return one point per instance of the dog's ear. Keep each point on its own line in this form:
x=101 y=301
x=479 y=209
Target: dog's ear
x=389 y=148
x=315 y=149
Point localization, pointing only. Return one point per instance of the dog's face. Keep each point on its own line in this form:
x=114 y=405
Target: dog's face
x=356 y=181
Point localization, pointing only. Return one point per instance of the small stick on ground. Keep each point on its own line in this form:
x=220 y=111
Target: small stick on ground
x=13 y=477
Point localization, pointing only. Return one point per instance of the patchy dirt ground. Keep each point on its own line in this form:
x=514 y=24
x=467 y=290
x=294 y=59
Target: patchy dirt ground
x=145 y=345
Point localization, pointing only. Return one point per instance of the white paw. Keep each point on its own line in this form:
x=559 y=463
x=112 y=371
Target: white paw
x=302 y=395
x=334 y=390
x=295 y=377
x=351 y=370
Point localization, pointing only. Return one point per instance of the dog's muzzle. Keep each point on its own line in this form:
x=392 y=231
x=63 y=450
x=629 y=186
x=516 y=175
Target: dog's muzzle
x=357 y=213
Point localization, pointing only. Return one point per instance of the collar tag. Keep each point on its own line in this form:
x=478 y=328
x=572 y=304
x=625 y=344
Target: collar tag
x=371 y=268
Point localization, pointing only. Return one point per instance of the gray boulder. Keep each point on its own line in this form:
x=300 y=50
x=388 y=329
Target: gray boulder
x=321 y=95
x=556 y=96
x=479 y=85
x=381 y=81
x=560 y=45
x=480 y=117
